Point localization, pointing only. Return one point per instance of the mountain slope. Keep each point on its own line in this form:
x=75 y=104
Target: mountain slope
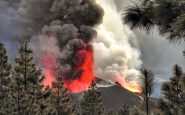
x=113 y=97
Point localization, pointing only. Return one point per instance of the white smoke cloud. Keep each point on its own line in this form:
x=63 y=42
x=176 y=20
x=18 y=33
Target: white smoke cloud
x=113 y=51
x=114 y=54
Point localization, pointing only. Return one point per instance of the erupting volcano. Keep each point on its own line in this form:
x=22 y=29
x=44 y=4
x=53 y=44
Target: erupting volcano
x=84 y=72
x=87 y=76
x=79 y=77
x=79 y=41
x=131 y=86
x=81 y=83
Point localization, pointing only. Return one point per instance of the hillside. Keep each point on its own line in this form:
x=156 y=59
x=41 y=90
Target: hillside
x=113 y=97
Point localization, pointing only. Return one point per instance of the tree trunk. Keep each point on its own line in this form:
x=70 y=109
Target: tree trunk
x=18 y=98
x=58 y=94
x=146 y=94
x=25 y=63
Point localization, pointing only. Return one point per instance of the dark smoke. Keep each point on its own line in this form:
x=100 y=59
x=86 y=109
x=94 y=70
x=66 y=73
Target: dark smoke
x=33 y=15
x=71 y=22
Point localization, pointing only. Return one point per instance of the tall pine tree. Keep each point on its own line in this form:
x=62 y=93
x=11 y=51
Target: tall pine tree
x=5 y=77
x=147 y=79
x=27 y=94
x=173 y=97
x=63 y=104
x=92 y=103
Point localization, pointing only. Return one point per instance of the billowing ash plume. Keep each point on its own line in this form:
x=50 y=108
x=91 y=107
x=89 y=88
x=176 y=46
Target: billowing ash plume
x=115 y=56
x=33 y=15
x=62 y=32
x=66 y=26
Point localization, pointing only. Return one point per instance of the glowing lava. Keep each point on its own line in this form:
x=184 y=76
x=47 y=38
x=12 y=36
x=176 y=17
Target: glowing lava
x=48 y=62
x=74 y=86
x=131 y=86
x=82 y=83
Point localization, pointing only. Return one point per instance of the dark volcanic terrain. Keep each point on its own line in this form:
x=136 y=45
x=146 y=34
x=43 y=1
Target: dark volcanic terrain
x=113 y=97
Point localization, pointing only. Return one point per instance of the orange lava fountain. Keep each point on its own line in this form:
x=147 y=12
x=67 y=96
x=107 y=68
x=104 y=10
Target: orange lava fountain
x=74 y=86
x=82 y=83
x=131 y=86
x=48 y=62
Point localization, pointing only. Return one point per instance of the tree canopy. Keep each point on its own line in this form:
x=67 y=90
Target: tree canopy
x=167 y=15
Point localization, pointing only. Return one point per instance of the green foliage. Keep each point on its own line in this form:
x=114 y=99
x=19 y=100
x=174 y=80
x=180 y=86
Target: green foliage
x=62 y=102
x=179 y=25
x=124 y=111
x=173 y=95
x=111 y=112
x=135 y=111
x=22 y=93
x=24 y=66
x=26 y=88
x=147 y=79
x=167 y=15
x=138 y=17
x=92 y=103
x=5 y=76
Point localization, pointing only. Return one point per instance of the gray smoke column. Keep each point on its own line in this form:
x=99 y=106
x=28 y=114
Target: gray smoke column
x=116 y=57
x=62 y=32
x=33 y=15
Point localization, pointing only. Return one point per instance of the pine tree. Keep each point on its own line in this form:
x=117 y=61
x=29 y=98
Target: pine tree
x=167 y=15
x=135 y=111
x=25 y=67
x=92 y=103
x=147 y=78
x=5 y=76
x=62 y=102
x=18 y=97
x=111 y=112
x=26 y=91
x=173 y=96
x=125 y=110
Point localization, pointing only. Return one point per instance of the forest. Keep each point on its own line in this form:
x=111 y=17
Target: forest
x=21 y=83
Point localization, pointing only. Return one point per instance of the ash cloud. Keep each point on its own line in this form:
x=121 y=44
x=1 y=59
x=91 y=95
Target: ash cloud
x=33 y=15
x=115 y=55
x=157 y=53
x=67 y=29
x=69 y=22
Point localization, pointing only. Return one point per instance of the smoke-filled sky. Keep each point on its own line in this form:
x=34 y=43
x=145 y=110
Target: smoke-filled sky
x=157 y=53
x=118 y=50
x=114 y=54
